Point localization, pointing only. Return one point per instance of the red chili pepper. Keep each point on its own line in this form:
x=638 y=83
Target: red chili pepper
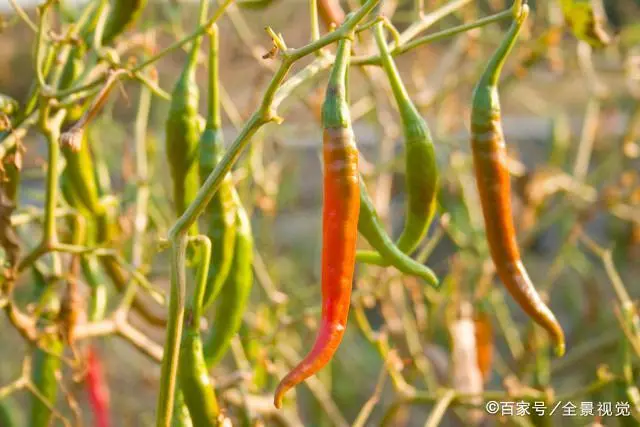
x=98 y=389
x=339 y=224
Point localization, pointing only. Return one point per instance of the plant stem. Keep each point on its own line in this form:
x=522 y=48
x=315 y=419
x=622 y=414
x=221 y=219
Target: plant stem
x=169 y=371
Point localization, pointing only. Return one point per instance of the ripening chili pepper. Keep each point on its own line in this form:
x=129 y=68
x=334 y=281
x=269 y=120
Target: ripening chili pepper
x=421 y=169
x=220 y=214
x=97 y=388
x=123 y=14
x=331 y=12
x=193 y=377
x=233 y=299
x=371 y=228
x=339 y=223
x=494 y=187
x=183 y=133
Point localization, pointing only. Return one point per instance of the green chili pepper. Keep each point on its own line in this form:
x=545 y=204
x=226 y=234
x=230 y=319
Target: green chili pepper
x=8 y=413
x=183 y=133
x=122 y=15
x=370 y=226
x=73 y=68
x=97 y=282
x=235 y=292
x=221 y=212
x=254 y=4
x=46 y=358
x=180 y=417
x=46 y=363
x=79 y=175
x=102 y=225
x=421 y=174
x=193 y=377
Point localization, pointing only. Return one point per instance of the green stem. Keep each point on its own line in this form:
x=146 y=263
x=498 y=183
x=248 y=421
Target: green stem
x=313 y=14
x=171 y=353
x=393 y=75
x=51 y=130
x=41 y=45
x=194 y=35
x=432 y=38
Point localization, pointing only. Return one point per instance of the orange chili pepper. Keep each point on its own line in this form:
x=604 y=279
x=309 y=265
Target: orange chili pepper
x=339 y=224
x=494 y=186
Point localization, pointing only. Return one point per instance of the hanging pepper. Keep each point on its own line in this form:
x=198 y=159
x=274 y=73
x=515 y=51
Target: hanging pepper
x=421 y=169
x=331 y=12
x=494 y=187
x=98 y=389
x=370 y=226
x=75 y=180
x=183 y=133
x=193 y=377
x=8 y=412
x=46 y=358
x=339 y=223
x=220 y=214
x=233 y=299
x=122 y=15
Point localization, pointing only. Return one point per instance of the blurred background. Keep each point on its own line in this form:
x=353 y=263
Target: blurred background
x=572 y=124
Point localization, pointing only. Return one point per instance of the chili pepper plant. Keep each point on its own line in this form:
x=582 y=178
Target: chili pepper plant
x=322 y=213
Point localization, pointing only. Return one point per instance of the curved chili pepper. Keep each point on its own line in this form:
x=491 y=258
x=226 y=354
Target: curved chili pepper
x=79 y=172
x=494 y=187
x=122 y=15
x=370 y=226
x=193 y=377
x=183 y=134
x=233 y=299
x=339 y=224
x=421 y=169
x=220 y=214
x=98 y=389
